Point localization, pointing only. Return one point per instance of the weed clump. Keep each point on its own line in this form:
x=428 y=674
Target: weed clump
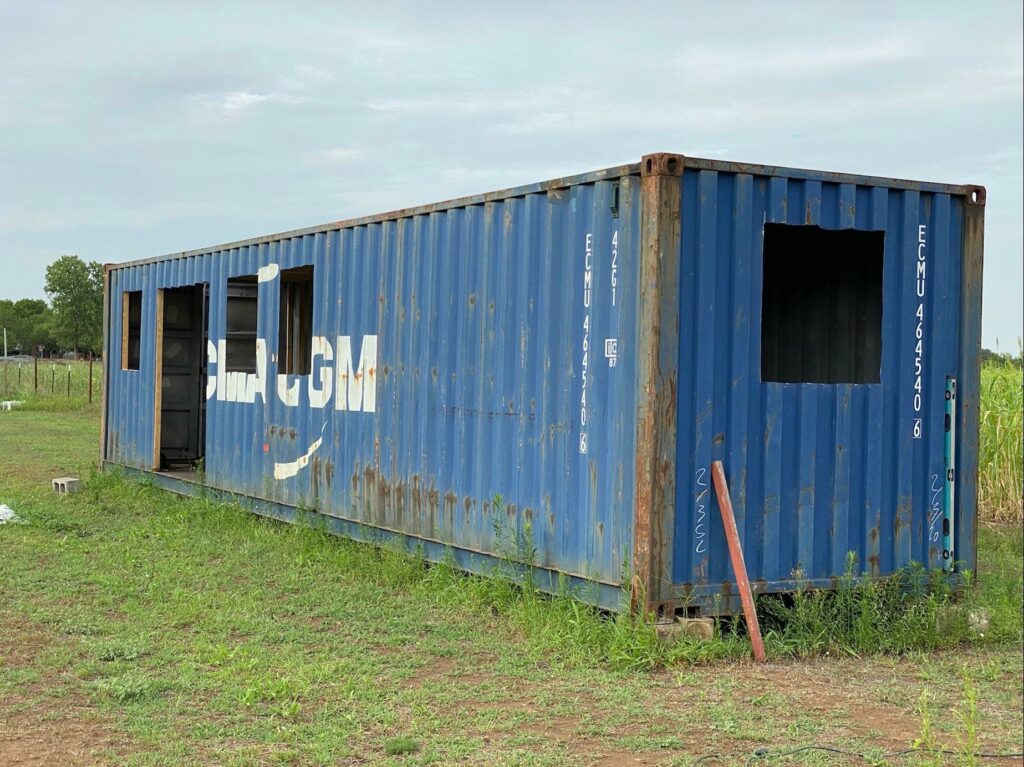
x=400 y=745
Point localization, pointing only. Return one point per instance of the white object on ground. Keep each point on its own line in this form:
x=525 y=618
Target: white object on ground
x=10 y=404
x=7 y=515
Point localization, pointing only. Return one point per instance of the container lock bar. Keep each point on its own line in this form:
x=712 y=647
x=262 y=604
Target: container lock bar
x=949 y=490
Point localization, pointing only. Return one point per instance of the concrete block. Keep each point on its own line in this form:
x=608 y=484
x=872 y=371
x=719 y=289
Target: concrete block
x=67 y=485
x=700 y=628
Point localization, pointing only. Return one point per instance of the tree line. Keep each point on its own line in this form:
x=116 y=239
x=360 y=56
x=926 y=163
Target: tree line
x=72 y=319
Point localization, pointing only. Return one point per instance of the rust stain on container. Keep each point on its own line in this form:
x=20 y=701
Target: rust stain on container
x=627 y=343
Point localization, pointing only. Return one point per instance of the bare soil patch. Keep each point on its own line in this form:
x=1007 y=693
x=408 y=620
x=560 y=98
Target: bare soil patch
x=48 y=723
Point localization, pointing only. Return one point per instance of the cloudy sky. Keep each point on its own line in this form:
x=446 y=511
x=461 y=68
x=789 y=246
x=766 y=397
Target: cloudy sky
x=132 y=130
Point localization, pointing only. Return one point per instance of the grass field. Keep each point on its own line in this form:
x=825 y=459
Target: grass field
x=52 y=384
x=140 y=628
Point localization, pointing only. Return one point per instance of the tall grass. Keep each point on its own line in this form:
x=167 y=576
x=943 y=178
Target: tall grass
x=58 y=386
x=1001 y=456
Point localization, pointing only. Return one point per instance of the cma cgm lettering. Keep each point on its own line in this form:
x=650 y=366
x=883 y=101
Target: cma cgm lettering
x=334 y=377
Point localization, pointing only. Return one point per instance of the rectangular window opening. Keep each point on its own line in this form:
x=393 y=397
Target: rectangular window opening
x=295 y=329
x=131 y=329
x=821 y=311
x=240 y=334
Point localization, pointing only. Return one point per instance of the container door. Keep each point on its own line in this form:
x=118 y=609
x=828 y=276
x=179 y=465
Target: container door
x=182 y=345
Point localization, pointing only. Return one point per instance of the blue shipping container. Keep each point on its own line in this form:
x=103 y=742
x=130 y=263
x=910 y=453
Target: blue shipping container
x=546 y=373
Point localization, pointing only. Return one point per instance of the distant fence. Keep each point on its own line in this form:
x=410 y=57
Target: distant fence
x=81 y=379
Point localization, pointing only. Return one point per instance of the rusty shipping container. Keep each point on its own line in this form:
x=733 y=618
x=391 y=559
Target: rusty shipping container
x=551 y=370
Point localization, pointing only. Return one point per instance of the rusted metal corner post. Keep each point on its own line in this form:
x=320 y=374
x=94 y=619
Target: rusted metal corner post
x=739 y=567
x=657 y=374
x=969 y=390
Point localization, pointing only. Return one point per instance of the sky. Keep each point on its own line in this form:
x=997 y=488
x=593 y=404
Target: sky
x=130 y=130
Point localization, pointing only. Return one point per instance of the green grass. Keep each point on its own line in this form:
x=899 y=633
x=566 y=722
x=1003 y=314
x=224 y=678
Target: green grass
x=1001 y=452
x=202 y=634
x=400 y=745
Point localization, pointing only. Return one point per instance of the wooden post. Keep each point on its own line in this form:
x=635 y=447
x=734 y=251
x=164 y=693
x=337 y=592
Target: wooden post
x=90 y=379
x=736 y=554
x=158 y=377
x=35 y=375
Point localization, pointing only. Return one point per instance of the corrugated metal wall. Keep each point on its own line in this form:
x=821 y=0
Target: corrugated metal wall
x=481 y=315
x=816 y=470
x=489 y=314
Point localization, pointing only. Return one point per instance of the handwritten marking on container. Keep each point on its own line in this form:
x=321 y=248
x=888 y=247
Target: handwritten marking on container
x=919 y=328
x=699 y=534
x=935 y=510
x=588 y=282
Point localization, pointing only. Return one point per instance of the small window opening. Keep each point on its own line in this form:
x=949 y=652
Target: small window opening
x=295 y=330
x=240 y=334
x=821 y=314
x=131 y=329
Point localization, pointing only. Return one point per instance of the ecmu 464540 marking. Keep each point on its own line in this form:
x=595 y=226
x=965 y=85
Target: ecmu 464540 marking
x=922 y=240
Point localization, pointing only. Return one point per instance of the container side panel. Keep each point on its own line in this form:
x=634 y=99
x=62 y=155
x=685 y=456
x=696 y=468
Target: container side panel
x=819 y=472
x=471 y=382
x=130 y=400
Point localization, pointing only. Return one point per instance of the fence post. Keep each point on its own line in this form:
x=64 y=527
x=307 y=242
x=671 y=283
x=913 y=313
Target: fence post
x=69 y=380
x=90 y=379
x=35 y=375
x=53 y=378
x=5 y=377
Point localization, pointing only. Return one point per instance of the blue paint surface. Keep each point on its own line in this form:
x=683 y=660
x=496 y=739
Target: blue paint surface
x=815 y=470
x=486 y=319
x=481 y=314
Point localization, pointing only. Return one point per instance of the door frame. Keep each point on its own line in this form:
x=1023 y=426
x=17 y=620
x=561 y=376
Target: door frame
x=158 y=378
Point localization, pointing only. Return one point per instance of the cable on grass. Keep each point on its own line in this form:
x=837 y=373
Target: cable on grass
x=765 y=754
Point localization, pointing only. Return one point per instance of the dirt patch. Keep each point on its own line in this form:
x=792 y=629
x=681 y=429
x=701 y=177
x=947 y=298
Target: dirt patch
x=811 y=688
x=49 y=736
x=633 y=759
x=437 y=668
x=49 y=722
x=20 y=641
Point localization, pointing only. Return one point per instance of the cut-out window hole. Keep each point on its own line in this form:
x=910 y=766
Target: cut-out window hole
x=131 y=329
x=295 y=329
x=821 y=312
x=240 y=333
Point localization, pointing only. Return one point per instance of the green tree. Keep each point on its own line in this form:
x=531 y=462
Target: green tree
x=9 y=322
x=28 y=323
x=35 y=324
x=75 y=289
